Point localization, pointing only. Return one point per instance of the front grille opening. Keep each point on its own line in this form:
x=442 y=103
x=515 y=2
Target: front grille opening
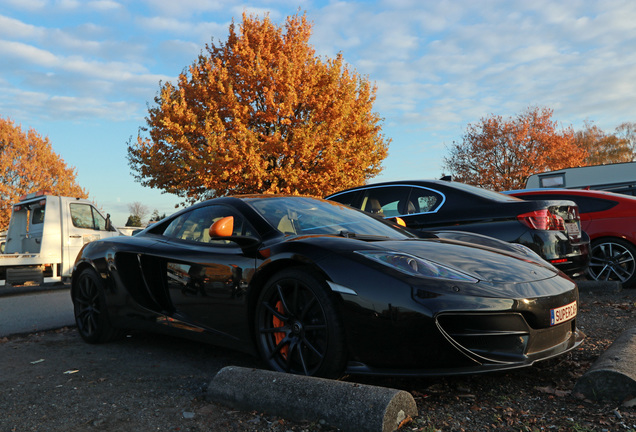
x=500 y=337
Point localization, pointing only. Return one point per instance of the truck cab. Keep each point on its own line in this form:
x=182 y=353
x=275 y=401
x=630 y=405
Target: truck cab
x=45 y=235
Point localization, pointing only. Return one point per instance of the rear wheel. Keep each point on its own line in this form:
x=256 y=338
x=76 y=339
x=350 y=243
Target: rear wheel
x=613 y=260
x=89 y=306
x=298 y=329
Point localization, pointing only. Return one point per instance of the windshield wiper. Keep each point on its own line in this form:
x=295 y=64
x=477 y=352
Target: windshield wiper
x=349 y=234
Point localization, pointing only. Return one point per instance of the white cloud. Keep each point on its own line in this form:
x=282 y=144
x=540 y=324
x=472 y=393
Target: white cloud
x=20 y=52
x=162 y=24
x=186 y=8
x=10 y=27
x=104 y=5
x=486 y=56
x=60 y=108
x=30 y=5
x=112 y=71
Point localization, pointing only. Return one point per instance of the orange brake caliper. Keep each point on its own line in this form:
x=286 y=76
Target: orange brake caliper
x=279 y=336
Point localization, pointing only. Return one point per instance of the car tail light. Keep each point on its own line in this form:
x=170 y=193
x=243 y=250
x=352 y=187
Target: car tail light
x=542 y=219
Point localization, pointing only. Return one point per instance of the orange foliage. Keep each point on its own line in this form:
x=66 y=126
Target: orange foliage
x=603 y=148
x=261 y=114
x=29 y=164
x=500 y=154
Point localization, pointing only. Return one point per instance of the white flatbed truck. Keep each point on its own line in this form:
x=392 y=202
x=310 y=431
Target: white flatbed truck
x=45 y=234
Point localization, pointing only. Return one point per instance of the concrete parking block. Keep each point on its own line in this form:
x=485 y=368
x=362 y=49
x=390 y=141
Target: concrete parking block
x=345 y=405
x=613 y=374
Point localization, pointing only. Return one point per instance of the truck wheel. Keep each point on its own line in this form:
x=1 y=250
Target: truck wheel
x=89 y=305
x=298 y=328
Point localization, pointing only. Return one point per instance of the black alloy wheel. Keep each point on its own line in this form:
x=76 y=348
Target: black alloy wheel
x=89 y=306
x=298 y=329
x=613 y=260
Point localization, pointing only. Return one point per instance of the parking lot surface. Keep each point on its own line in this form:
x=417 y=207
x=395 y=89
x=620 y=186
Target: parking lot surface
x=54 y=381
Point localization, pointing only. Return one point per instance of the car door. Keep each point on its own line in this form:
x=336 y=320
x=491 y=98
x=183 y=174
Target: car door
x=207 y=279
x=84 y=224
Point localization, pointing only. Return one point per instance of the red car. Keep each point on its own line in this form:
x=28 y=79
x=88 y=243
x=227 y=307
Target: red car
x=610 y=221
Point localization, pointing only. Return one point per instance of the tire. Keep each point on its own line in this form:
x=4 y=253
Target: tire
x=613 y=260
x=298 y=329
x=89 y=306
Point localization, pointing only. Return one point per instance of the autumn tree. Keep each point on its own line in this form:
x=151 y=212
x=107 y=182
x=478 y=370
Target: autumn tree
x=602 y=148
x=500 y=154
x=627 y=131
x=261 y=113
x=29 y=164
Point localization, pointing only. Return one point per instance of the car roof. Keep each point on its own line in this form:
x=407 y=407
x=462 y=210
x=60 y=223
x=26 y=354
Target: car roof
x=424 y=183
x=397 y=183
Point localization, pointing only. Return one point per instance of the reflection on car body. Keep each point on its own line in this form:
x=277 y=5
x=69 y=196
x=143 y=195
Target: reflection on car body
x=318 y=288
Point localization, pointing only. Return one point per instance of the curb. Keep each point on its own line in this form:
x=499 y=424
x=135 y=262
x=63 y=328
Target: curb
x=613 y=374
x=347 y=406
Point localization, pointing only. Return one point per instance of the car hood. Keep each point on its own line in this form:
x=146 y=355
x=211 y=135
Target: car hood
x=481 y=263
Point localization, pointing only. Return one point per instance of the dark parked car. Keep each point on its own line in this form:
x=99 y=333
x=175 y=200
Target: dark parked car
x=551 y=229
x=610 y=220
x=321 y=289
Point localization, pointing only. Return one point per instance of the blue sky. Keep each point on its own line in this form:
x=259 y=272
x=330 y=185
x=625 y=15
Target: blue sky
x=83 y=73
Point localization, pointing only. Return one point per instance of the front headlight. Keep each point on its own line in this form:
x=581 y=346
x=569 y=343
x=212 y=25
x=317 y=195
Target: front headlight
x=415 y=266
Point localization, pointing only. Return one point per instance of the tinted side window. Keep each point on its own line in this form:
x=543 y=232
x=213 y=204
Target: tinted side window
x=195 y=225
x=347 y=198
x=589 y=205
x=424 y=200
x=386 y=201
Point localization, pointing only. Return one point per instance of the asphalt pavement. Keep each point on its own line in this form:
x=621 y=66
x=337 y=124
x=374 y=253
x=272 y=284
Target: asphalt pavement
x=32 y=309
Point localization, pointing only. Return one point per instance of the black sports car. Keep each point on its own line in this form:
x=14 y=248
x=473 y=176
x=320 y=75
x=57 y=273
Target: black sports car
x=319 y=288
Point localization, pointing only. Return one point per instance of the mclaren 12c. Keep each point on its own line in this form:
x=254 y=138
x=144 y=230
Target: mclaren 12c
x=318 y=288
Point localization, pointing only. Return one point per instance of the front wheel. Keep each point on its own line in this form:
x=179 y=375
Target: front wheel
x=89 y=306
x=613 y=260
x=298 y=329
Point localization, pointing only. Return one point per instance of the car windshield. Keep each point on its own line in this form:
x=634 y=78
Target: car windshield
x=303 y=215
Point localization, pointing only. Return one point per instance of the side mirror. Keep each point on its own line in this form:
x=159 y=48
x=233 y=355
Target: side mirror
x=399 y=221
x=224 y=227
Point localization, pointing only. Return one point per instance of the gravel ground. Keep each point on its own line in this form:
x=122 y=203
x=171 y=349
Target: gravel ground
x=52 y=381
